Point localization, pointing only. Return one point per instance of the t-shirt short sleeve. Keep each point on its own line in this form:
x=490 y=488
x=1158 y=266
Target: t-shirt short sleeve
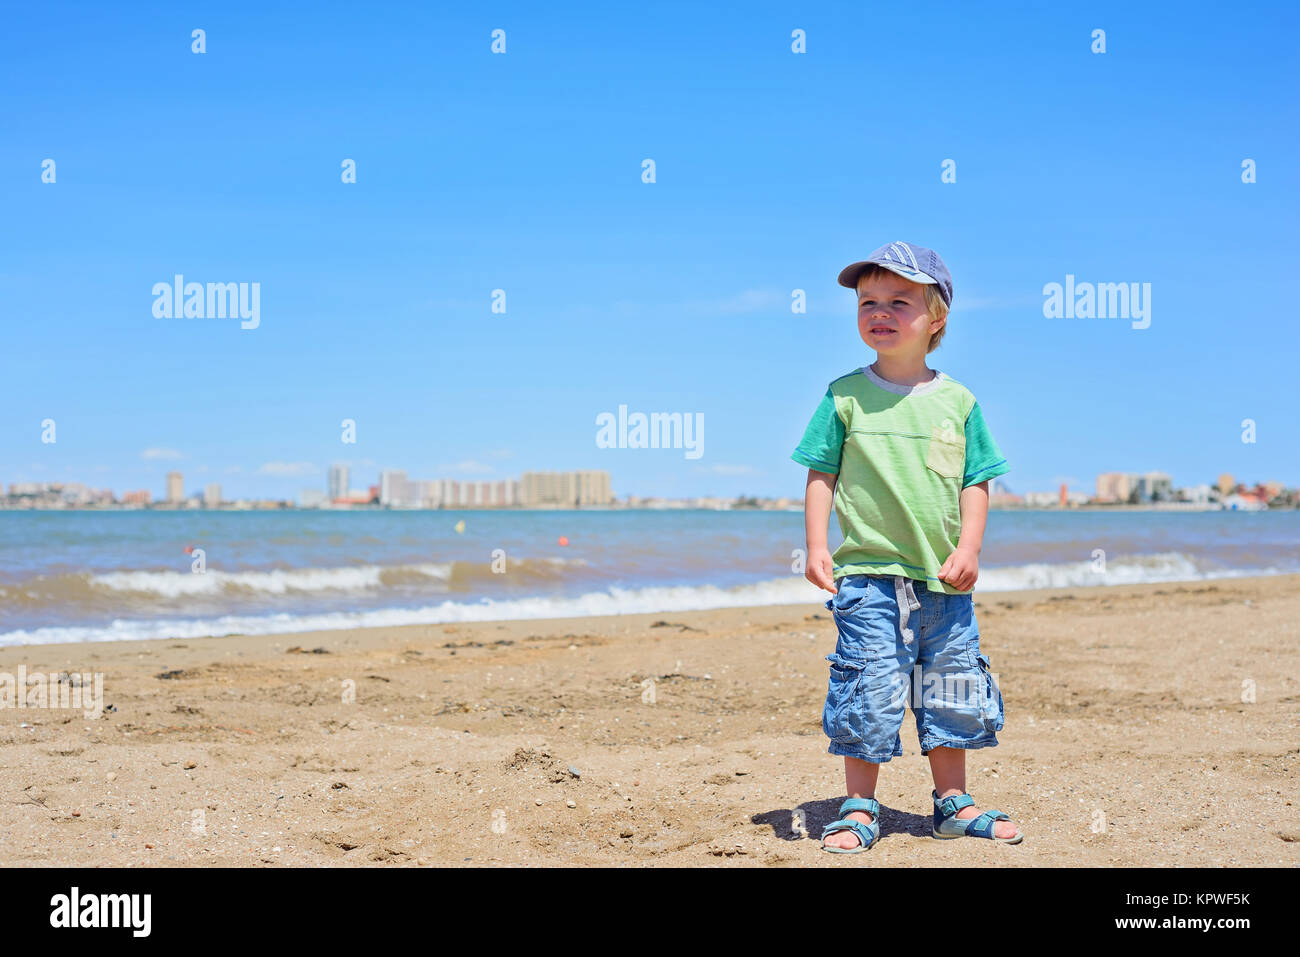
x=823 y=440
x=983 y=460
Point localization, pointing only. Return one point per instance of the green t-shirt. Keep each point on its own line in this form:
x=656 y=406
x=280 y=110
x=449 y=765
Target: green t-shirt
x=903 y=454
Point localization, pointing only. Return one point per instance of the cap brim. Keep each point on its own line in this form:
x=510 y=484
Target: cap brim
x=849 y=274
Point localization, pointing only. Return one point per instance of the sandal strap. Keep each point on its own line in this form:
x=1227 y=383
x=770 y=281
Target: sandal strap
x=982 y=826
x=947 y=807
x=866 y=832
x=868 y=805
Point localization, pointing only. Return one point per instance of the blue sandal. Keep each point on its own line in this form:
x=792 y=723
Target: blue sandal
x=867 y=834
x=947 y=825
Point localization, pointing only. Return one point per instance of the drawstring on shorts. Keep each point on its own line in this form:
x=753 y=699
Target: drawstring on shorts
x=907 y=603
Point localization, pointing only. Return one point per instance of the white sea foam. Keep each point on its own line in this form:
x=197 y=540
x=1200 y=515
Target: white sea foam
x=790 y=590
x=214 y=581
x=614 y=601
x=1128 y=570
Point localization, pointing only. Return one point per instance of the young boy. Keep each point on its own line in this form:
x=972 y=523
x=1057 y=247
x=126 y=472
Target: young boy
x=904 y=453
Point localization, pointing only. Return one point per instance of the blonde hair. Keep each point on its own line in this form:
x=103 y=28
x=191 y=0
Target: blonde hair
x=934 y=304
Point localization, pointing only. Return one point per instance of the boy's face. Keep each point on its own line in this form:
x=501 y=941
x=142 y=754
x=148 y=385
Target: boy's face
x=892 y=316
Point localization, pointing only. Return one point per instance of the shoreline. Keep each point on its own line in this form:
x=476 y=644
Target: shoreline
x=695 y=736
x=399 y=610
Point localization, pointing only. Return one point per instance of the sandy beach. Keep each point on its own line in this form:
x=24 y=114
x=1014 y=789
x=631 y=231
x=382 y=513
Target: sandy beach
x=1127 y=741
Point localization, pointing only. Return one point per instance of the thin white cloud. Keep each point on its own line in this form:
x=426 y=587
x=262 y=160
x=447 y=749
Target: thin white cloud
x=161 y=454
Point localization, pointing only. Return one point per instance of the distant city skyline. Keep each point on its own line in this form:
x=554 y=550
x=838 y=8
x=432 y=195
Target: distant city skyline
x=593 y=488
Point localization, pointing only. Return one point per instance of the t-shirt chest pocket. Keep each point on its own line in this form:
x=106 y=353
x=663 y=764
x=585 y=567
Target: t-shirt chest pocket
x=946 y=453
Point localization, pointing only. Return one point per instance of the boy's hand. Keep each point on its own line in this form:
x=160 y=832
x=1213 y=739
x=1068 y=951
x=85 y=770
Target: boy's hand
x=820 y=569
x=961 y=569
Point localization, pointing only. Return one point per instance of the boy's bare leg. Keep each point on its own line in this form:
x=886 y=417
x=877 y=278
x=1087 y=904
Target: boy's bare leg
x=948 y=765
x=859 y=782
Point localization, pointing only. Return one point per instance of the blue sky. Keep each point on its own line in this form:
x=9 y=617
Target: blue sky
x=522 y=172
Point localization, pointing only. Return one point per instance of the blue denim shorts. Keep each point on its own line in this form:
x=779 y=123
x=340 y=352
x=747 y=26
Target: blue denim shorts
x=901 y=644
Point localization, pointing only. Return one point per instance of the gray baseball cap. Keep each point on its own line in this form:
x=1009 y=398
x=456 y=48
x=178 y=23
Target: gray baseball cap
x=910 y=261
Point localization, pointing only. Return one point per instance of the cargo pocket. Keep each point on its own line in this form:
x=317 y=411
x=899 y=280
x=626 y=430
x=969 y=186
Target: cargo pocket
x=847 y=597
x=946 y=454
x=842 y=718
x=991 y=696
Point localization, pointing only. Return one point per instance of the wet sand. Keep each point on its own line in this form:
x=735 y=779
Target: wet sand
x=1127 y=742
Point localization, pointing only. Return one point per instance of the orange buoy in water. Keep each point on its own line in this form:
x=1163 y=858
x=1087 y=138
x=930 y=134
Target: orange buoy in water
x=189 y=549
x=564 y=540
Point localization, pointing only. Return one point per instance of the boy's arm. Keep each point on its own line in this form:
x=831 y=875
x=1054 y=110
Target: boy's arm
x=819 y=494
x=819 y=452
x=983 y=462
x=962 y=567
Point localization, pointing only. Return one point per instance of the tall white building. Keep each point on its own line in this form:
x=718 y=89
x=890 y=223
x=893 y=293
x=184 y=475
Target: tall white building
x=450 y=496
x=427 y=494
x=175 y=487
x=1155 y=486
x=338 y=482
x=394 y=489
x=211 y=495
